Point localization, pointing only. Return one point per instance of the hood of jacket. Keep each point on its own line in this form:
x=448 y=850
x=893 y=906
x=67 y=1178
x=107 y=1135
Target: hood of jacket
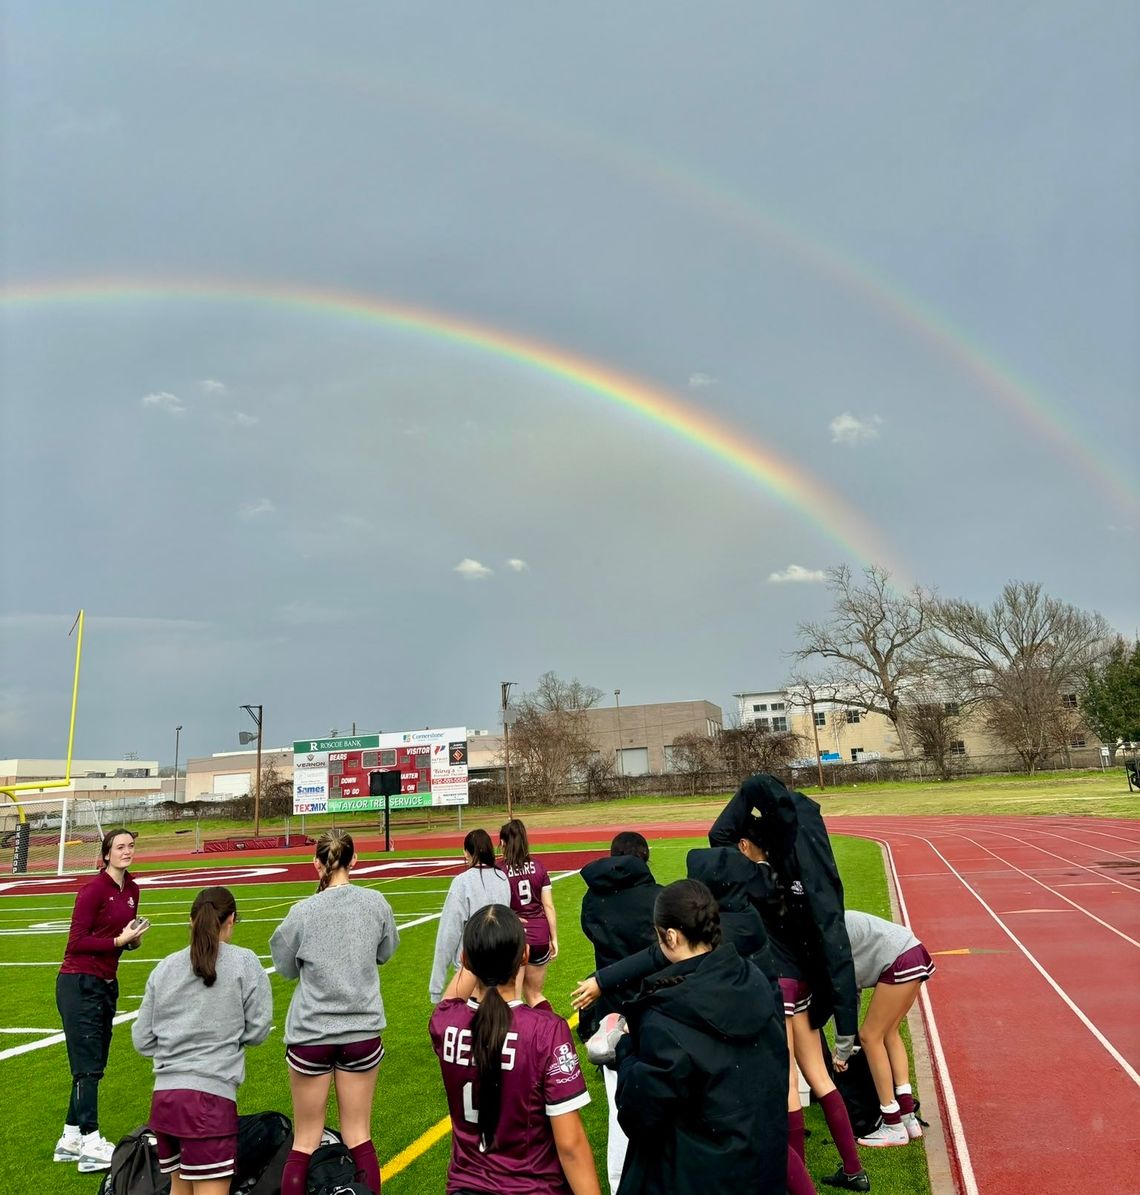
x=718 y=992
x=616 y=873
x=725 y=872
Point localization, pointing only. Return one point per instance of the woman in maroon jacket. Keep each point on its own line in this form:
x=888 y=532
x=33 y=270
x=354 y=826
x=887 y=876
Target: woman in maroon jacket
x=104 y=923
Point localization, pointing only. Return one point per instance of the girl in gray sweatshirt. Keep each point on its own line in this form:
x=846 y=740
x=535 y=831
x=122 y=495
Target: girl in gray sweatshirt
x=201 y=1008
x=481 y=884
x=331 y=944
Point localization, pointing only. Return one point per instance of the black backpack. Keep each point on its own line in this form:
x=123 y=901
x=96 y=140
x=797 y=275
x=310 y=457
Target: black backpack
x=134 y=1167
x=857 y=1087
x=332 y=1171
x=263 y=1145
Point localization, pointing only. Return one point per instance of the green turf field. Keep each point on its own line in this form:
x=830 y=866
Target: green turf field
x=409 y=1099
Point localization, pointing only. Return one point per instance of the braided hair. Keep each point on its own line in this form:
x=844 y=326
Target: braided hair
x=335 y=850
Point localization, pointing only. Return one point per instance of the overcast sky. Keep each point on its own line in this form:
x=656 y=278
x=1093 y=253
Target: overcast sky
x=893 y=249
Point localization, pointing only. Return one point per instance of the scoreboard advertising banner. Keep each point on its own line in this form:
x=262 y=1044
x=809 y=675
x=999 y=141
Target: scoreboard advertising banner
x=415 y=769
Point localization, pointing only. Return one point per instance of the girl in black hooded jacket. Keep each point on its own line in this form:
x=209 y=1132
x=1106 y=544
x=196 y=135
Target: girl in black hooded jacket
x=701 y=1076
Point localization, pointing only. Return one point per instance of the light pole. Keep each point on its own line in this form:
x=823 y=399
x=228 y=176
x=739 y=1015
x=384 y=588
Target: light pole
x=620 y=763
x=504 y=692
x=246 y=737
x=177 y=736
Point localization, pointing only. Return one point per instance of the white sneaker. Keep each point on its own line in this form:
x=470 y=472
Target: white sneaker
x=95 y=1153
x=886 y=1134
x=601 y=1049
x=66 y=1149
x=913 y=1128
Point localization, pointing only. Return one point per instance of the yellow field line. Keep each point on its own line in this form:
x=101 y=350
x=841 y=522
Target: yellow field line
x=425 y=1141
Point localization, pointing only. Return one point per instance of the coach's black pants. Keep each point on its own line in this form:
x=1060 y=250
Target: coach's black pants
x=86 y=1006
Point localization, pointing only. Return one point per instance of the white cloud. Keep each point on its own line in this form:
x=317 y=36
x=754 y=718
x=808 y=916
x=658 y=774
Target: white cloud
x=849 y=429
x=472 y=570
x=163 y=400
x=518 y=566
x=254 y=510
x=244 y=420
x=698 y=381
x=797 y=573
x=213 y=386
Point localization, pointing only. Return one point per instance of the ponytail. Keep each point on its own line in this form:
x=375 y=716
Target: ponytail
x=335 y=850
x=513 y=840
x=493 y=945
x=211 y=908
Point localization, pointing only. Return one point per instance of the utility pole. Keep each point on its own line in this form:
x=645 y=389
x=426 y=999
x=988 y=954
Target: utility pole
x=177 y=736
x=245 y=737
x=620 y=761
x=504 y=692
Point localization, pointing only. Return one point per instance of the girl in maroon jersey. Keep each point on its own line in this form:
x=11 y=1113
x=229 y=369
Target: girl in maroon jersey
x=511 y=1074
x=104 y=923
x=533 y=900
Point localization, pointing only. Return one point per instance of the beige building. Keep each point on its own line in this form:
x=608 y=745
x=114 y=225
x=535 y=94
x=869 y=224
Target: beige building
x=643 y=734
x=231 y=773
x=847 y=734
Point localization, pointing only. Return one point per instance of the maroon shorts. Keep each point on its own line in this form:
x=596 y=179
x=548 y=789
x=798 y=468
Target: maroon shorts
x=796 y=994
x=344 y=1056
x=913 y=964
x=196 y=1134
x=539 y=954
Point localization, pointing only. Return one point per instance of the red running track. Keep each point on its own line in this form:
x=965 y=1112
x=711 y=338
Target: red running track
x=1032 y=1018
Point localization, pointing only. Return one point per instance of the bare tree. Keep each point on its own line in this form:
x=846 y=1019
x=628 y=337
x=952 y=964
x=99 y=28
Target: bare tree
x=696 y=757
x=869 y=645
x=934 y=725
x=748 y=749
x=550 y=740
x=1022 y=661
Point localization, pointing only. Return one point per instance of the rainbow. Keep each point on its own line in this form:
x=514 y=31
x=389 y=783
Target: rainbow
x=746 y=455
x=1045 y=418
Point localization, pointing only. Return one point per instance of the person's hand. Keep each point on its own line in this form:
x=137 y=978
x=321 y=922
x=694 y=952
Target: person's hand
x=131 y=933
x=553 y=949
x=838 y=1063
x=844 y=1047
x=586 y=993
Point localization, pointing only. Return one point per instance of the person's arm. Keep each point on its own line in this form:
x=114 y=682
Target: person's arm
x=389 y=935
x=651 y=1082
x=257 y=999
x=82 y=939
x=627 y=973
x=575 y=1154
x=726 y=830
x=142 y=1030
x=283 y=946
x=551 y=920
x=447 y=939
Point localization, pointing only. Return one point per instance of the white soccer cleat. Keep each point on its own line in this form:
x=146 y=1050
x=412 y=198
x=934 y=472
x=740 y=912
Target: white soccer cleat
x=601 y=1049
x=95 y=1153
x=913 y=1128
x=884 y=1135
x=66 y=1149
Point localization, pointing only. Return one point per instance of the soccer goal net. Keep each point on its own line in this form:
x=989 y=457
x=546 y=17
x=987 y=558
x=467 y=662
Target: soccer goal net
x=55 y=836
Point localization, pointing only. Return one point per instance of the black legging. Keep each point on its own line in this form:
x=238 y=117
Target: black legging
x=86 y=1006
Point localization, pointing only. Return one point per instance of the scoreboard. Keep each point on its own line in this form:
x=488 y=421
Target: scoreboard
x=416 y=768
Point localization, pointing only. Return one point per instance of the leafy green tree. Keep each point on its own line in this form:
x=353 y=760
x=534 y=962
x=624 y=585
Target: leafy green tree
x=1111 y=700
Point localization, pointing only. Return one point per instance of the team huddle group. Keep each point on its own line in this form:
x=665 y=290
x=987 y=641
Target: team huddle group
x=708 y=993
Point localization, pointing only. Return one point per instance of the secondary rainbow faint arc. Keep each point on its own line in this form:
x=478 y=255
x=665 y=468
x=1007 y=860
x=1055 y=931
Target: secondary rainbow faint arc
x=794 y=486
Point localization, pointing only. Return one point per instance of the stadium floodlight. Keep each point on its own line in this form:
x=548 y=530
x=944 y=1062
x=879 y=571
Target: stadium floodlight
x=504 y=693
x=177 y=737
x=246 y=737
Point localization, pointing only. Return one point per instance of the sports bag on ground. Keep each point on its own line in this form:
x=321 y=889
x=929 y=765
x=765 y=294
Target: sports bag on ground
x=332 y=1171
x=263 y=1145
x=134 y=1167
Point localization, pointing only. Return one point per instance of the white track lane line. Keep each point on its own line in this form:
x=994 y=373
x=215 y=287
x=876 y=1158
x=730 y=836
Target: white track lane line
x=1093 y=846
x=957 y=1131
x=1107 y=879
x=1085 y=1020
x=56 y=1038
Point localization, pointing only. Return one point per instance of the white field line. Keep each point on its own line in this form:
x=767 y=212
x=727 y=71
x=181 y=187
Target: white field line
x=1085 y=1020
x=957 y=1131
x=1075 y=841
x=56 y=1038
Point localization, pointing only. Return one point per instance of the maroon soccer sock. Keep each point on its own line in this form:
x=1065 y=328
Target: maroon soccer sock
x=295 y=1176
x=892 y=1112
x=839 y=1123
x=364 y=1155
x=799 y=1181
x=905 y=1099
x=796 y=1132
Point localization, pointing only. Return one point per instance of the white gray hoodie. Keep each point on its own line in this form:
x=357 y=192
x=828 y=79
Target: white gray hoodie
x=469 y=891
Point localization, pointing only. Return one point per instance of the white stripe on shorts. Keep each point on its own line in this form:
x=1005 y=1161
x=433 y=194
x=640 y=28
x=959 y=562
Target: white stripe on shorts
x=364 y=1064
